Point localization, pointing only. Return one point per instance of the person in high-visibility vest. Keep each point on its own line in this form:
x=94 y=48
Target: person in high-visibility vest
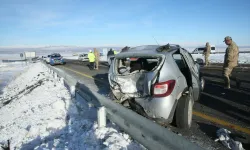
x=91 y=57
x=115 y=52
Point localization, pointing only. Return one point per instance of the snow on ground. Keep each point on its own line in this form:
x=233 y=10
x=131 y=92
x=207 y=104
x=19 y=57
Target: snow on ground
x=244 y=58
x=37 y=112
x=9 y=71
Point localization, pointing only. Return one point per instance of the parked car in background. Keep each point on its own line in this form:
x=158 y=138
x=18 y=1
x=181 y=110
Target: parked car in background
x=83 y=57
x=200 y=50
x=47 y=59
x=56 y=59
x=158 y=82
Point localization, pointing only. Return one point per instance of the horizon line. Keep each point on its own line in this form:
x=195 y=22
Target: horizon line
x=102 y=46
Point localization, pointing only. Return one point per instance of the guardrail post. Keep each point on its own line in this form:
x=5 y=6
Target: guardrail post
x=62 y=80
x=73 y=91
x=101 y=116
x=55 y=75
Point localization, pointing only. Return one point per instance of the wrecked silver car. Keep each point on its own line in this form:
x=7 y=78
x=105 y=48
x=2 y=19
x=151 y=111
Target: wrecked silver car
x=159 y=82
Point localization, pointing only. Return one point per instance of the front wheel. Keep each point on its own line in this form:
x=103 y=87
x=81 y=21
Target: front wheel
x=184 y=110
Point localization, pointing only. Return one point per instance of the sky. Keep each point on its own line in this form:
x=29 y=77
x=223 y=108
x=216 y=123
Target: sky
x=121 y=23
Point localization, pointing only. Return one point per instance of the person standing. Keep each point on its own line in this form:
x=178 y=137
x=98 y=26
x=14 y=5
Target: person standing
x=230 y=59
x=110 y=56
x=97 y=57
x=91 y=57
x=207 y=52
x=110 y=52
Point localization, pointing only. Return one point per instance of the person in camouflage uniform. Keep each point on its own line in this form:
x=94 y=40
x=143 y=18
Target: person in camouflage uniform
x=97 y=57
x=230 y=59
x=207 y=52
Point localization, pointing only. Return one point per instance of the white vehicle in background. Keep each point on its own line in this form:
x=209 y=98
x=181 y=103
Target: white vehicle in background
x=200 y=50
x=83 y=57
x=29 y=55
x=47 y=59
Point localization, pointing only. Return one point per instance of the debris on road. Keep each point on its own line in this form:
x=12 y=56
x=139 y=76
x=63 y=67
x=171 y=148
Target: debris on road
x=226 y=140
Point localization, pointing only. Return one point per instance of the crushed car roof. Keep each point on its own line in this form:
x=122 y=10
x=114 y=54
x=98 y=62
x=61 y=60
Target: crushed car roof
x=151 y=49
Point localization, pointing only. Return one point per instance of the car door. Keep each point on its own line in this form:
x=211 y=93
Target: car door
x=194 y=72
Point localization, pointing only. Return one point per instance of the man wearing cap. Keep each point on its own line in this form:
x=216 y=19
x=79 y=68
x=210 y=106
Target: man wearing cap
x=207 y=52
x=230 y=59
x=91 y=57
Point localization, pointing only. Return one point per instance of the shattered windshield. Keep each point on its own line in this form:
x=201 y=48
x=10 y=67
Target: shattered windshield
x=137 y=64
x=55 y=55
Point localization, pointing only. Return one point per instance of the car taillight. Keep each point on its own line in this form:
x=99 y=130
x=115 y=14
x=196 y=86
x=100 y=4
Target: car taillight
x=163 y=89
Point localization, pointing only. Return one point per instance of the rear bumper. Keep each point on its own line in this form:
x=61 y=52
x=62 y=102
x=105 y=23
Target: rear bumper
x=57 y=62
x=159 y=108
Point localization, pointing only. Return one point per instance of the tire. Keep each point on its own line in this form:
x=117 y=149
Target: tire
x=202 y=86
x=184 y=110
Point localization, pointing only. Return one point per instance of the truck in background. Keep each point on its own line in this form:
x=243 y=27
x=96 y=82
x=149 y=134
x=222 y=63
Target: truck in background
x=29 y=55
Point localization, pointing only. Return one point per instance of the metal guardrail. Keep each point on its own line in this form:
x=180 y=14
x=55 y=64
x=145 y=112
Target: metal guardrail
x=146 y=132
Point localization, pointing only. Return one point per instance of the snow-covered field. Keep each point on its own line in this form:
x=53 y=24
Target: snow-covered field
x=9 y=71
x=244 y=58
x=37 y=112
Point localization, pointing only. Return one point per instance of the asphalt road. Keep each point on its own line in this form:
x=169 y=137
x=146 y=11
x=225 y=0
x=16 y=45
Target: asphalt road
x=217 y=107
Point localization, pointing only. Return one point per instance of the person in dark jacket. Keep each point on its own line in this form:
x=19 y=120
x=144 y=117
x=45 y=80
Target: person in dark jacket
x=110 y=56
x=110 y=52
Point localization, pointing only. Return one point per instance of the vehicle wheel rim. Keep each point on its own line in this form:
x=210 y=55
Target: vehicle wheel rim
x=190 y=111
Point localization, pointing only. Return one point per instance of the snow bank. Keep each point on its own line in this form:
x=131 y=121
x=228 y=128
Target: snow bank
x=37 y=112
